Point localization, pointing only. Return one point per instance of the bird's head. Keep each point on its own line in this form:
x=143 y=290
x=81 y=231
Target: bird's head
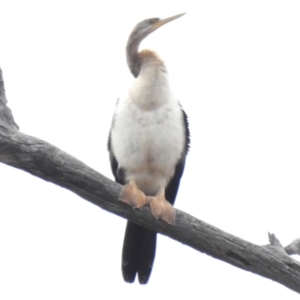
x=144 y=28
x=140 y=31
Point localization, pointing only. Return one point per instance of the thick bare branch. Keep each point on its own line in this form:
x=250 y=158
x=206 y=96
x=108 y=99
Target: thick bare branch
x=43 y=160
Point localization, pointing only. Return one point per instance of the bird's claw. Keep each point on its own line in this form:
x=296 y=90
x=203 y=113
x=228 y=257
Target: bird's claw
x=131 y=195
x=162 y=209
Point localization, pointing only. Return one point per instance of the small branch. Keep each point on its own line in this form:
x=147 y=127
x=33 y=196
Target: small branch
x=274 y=241
x=45 y=161
x=6 y=117
x=293 y=248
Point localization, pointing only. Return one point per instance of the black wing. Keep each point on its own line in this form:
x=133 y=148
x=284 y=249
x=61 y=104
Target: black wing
x=173 y=185
x=112 y=158
x=118 y=173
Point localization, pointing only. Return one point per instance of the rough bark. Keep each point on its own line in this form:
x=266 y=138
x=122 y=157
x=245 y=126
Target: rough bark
x=47 y=162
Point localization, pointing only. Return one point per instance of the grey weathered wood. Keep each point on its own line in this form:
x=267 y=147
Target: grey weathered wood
x=47 y=162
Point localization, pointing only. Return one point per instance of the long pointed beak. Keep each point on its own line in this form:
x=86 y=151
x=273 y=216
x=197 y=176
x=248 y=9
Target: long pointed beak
x=167 y=20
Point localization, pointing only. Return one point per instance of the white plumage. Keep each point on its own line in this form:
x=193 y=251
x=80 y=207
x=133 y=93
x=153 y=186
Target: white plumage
x=148 y=136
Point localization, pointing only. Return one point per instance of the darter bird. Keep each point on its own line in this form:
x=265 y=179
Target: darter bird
x=148 y=143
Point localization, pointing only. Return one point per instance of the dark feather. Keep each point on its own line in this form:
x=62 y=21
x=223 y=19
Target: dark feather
x=173 y=185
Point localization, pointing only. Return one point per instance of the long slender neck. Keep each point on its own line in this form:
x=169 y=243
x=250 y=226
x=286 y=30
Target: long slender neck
x=133 y=60
x=151 y=88
x=137 y=60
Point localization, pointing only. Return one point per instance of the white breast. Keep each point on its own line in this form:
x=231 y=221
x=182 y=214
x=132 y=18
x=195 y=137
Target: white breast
x=148 y=133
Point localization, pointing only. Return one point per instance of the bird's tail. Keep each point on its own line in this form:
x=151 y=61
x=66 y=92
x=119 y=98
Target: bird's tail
x=138 y=253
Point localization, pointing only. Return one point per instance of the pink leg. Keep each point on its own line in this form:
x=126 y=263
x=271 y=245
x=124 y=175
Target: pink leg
x=131 y=195
x=161 y=208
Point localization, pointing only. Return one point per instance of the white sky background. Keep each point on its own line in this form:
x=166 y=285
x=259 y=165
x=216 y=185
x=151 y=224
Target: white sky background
x=234 y=65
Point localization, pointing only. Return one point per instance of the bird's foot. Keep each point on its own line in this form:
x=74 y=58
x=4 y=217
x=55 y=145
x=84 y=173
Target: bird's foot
x=162 y=209
x=133 y=196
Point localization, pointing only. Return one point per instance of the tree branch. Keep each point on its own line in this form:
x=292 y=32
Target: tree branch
x=45 y=161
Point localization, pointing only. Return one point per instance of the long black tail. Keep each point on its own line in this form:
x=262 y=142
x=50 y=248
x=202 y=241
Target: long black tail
x=138 y=253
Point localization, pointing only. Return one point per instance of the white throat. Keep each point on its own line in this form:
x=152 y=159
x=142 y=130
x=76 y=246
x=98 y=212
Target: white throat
x=151 y=88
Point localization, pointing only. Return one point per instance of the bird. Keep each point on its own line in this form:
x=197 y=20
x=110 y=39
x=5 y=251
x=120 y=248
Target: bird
x=148 y=143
